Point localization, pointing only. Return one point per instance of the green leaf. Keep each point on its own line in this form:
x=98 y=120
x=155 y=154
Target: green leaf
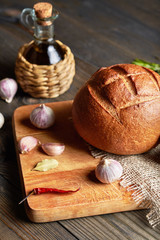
x=154 y=66
x=46 y=165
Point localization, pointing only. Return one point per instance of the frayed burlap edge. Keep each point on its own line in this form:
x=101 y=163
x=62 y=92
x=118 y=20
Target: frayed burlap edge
x=141 y=173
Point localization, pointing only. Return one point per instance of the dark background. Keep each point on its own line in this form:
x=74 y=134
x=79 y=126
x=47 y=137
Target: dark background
x=99 y=33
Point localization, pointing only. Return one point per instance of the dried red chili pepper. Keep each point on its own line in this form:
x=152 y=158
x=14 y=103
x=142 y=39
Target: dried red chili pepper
x=37 y=191
x=52 y=190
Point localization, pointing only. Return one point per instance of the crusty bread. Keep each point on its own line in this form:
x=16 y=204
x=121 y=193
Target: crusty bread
x=118 y=109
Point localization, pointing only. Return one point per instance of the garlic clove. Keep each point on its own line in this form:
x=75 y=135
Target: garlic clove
x=26 y=144
x=8 y=89
x=1 y=120
x=42 y=117
x=53 y=149
x=108 y=171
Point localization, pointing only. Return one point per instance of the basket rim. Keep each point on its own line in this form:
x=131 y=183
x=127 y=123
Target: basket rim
x=22 y=49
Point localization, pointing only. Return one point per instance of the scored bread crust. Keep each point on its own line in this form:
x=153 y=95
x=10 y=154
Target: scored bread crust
x=118 y=109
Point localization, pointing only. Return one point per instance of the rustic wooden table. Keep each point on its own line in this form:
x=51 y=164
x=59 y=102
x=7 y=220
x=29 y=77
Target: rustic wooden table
x=100 y=33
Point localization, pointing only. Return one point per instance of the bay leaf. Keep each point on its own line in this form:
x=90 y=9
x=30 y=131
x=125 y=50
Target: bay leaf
x=46 y=165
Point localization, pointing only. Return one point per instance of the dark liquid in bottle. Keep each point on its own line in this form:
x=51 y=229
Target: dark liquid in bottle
x=44 y=53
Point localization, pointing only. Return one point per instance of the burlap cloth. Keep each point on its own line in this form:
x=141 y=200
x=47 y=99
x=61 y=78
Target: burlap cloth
x=141 y=173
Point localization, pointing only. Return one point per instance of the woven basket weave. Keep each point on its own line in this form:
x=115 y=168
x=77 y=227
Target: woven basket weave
x=45 y=81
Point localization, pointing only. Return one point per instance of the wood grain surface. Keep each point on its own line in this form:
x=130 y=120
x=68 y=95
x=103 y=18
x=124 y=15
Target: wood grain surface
x=99 y=33
x=75 y=170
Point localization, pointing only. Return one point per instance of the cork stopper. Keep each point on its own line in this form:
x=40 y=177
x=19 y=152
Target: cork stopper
x=43 y=10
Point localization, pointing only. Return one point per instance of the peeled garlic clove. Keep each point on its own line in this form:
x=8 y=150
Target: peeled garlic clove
x=42 y=117
x=8 y=89
x=108 y=170
x=53 y=149
x=1 y=120
x=26 y=144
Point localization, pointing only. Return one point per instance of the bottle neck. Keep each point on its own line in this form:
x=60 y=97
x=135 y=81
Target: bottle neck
x=44 y=34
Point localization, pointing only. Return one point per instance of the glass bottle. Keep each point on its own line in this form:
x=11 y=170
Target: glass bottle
x=44 y=50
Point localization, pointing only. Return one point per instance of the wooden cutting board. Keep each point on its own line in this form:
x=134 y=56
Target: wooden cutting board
x=76 y=169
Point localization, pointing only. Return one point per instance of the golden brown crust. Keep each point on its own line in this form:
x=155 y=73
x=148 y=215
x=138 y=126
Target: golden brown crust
x=118 y=109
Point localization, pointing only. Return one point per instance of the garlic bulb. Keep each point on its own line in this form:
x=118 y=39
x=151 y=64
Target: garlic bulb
x=108 y=170
x=42 y=117
x=26 y=144
x=8 y=89
x=1 y=120
x=53 y=149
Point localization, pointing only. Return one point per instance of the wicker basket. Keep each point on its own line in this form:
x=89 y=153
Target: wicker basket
x=45 y=81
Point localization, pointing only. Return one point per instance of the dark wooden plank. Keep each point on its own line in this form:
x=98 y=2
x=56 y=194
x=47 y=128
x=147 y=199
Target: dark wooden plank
x=109 y=35
x=15 y=222
x=126 y=225
x=100 y=33
x=7 y=233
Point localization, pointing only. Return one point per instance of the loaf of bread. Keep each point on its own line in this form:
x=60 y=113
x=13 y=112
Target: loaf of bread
x=118 y=109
